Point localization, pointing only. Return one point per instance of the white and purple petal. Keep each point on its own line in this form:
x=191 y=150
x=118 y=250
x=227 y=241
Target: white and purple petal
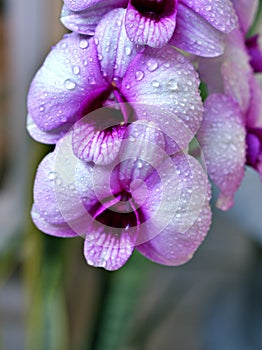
x=67 y=83
x=219 y=13
x=115 y=51
x=97 y=137
x=222 y=140
x=179 y=231
x=237 y=73
x=195 y=35
x=166 y=80
x=85 y=21
x=228 y=74
x=59 y=230
x=79 y=5
x=246 y=11
x=254 y=114
x=49 y=137
x=150 y=22
x=106 y=249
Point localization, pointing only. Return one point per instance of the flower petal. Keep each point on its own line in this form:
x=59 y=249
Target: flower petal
x=115 y=50
x=182 y=229
x=103 y=249
x=219 y=13
x=49 y=137
x=44 y=190
x=246 y=11
x=195 y=35
x=166 y=80
x=86 y=20
x=145 y=30
x=97 y=137
x=254 y=115
x=79 y=5
x=237 y=73
x=56 y=198
x=141 y=152
x=222 y=139
x=59 y=230
x=228 y=74
x=68 y=81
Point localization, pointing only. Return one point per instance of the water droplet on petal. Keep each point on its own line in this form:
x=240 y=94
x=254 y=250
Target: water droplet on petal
x=172 y=85
x=83 y=43
x=155 y=83
x=140 y=48
x=128 y=51
x=69 y=84
x=131 y=138
x=58 y=181
x=52 y=175
x=42 y=108
x=63 y=45
x=152 y=65
x=139 y=75
x=139 y=164
x=76 y=70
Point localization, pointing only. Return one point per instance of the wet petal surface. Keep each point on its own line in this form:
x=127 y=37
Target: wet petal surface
x=195 y=35
x=151 y=23
x=165 y=79
x=220 y=14
x=68 y=81
x=222 y=139
x=85 y=21
x=182 y=219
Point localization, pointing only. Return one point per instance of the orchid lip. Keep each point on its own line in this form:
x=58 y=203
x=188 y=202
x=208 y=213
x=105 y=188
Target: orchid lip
x=120 y=211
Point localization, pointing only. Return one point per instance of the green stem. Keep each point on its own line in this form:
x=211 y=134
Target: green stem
x=121 y=300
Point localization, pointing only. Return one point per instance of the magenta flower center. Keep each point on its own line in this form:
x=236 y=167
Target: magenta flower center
x=155 y=9
x=124 y=212
x=151 y=7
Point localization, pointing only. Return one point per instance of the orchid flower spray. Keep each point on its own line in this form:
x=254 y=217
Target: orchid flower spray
x=230 y=134
x=119 y=98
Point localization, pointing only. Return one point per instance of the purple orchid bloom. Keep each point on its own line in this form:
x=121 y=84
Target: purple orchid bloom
x=254 y=46
x=193 y=26
x=254 y=127
x=144 y=200
x=230 y=134
x=81 y=75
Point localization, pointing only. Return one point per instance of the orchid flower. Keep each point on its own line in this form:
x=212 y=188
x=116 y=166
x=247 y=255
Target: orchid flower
x=81 y=75
x=193 y=26
x=144 y=200
x=230 y=134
